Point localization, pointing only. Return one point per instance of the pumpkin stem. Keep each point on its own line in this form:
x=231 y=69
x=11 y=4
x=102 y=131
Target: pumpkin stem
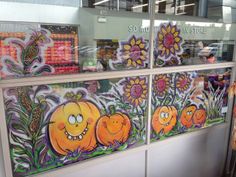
x=112 y=109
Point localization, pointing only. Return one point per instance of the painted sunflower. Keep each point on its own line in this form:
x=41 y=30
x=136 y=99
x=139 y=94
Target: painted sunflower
x=134 y=52
x=168 y=40
x=183 y=82
x=161 y=84
x=135 y=91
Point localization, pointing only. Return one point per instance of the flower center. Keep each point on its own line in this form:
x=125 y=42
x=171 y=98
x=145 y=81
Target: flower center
x=183 y=82
x=161 y=85
x=169 y=40
x=135 y=52
x=136 y=91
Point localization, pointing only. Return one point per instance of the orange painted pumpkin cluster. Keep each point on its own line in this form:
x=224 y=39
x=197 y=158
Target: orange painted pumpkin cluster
x=164 y=119
x=79 y=125
x=113 y=128
x=192 y=116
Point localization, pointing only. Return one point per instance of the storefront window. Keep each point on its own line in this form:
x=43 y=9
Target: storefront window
x=187 y=101
x=59 y=124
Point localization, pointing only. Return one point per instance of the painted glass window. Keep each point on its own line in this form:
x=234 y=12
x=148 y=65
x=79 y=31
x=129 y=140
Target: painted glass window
x=187 y=101
x=187 y=43
x=50 y=126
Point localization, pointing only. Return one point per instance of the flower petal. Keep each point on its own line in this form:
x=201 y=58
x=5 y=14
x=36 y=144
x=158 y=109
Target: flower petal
x=138 y=41
x=173 y=29
x=139 y=61
x=141 y=46
x=160 y=36
x=176 y=34
x=129 y=63
x=132 y=42
x=177 y=39
x=168 y=29
x=163 y=30
x=176 y=46
x=136 y=80
x=127 y=47
x=134 y=63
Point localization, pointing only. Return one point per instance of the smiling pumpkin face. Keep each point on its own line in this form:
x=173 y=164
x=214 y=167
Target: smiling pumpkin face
x=164 y=119
x=73 y=127
x=187 y=115
x=113 y=128
x=199 y=117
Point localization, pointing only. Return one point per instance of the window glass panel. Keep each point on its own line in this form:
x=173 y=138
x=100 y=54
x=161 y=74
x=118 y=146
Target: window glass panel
x=120 y=5
x=187 y=101
x=51 y=2
x=50 y=126
x=184 y=43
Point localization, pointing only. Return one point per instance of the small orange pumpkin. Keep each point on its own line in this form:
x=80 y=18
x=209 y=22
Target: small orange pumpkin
x=113 y=128
x=164 y=119
x=73 y=127
x=199 y=117
x=187 y=115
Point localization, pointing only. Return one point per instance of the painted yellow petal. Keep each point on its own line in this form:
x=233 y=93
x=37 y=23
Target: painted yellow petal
x=177 y=39
x=143 y=52
x=139 y=62
x=161 y=47
x=163 y=52
x=143 y=96
x=163 y=30
x=129 y=62
x=136 y=102
x=132 y=82
x=176 y=46
x=173 y=30
x=127 y=47
x=137 y=80
x=145 y=91
x=172 y=50
x=168 y=29
x=167 y=52
x=134 y=63
x=128 y=86
x=142 y=82
x=127 y=92
x=160 y=36
x=144 y=86
x=141 y=45
x=176 y=34
x=142 y=57
x=140 y=100
x=138 y=41
x=132 y=42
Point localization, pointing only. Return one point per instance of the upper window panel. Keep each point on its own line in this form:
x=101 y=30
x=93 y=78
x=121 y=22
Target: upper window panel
x=120 y=5
x=177 y=7
x=190 y=43
x=50 y=2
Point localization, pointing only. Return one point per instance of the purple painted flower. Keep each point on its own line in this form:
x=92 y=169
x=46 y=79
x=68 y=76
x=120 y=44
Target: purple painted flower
x=168 y=40
x=134 y=52
x=135 y=91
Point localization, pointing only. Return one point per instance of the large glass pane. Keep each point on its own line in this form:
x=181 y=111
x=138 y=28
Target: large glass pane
x=51 y=2
x=185 y=43
x=51 y=126
x=188 y=101
x=119 y=5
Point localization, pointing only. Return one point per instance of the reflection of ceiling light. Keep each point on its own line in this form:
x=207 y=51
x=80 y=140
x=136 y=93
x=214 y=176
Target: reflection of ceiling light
x=138 y=6
x=182 y=13
x=157 y=2
x=100 y=2
x=186 y=5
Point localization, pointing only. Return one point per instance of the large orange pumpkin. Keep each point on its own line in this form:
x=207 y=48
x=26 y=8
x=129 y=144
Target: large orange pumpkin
x=73 y=127
x=113 y=128
x=199 y=117
x=164 y=119
x=187 y=115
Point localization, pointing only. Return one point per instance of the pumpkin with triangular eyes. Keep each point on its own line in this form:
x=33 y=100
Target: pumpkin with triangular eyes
x=187 y=115
x=72 y=127
x=164 y=119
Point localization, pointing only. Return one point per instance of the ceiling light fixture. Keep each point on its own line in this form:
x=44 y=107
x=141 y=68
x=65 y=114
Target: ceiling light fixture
x=100 y=2
x=138 y=6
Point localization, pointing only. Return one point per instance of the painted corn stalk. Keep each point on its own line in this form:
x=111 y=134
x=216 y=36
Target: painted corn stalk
x=50 y=126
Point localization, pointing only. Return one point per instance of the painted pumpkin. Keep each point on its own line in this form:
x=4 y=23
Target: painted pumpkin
x=113 y=128
x=73 y=127
x=164 y=119
x=187 y=115
x=199 y=117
